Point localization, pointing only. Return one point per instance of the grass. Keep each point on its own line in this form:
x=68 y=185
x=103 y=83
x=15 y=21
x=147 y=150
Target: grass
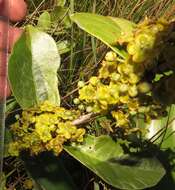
x=85 y=52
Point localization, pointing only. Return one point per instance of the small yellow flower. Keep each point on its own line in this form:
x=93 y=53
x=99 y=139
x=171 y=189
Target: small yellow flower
x=87 y=92
x=133 y=92
x=121 y=118
x=94 y=81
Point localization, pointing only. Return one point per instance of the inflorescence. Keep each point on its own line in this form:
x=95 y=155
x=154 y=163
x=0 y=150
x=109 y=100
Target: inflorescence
x=142 y=84
x=45 y=128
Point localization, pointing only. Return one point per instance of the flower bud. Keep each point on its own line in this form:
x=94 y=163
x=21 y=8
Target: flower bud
x=144 y=87
x=81 y=84
x=81 y=107
x=76 y=101
x=145 y=41
x=133 y=91
x=115 y=77
x=111 y=56
x=89 y=109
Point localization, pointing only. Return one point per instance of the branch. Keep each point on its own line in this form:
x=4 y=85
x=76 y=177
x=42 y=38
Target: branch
x=84 y=119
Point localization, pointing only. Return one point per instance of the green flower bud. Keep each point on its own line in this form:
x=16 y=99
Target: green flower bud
x=143 y=109
x=81 y=107
x=145 y=41
x=144 y=87
x=111 y=56
x=115 y=77
x=81 y=84
x=76 y=101
x=89 y=109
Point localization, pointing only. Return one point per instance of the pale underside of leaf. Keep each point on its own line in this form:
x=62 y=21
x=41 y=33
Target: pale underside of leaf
x=33 y=69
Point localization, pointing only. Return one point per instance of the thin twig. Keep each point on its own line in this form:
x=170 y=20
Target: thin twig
x=84 y=119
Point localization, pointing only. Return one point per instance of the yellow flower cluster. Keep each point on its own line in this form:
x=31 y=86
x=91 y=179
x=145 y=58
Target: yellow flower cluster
x=125 y=88
x=46 y=127
x=147 y=42
x=119 y=88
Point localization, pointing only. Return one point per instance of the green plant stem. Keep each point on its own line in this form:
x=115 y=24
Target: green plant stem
x=166 y=127
x=3 y=81
x=72 y=41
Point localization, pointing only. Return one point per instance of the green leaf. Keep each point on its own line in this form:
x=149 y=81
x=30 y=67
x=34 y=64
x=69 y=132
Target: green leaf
x=44 y=21
x=105 y=158
x=48 y=172
x=33 y=69
x=106 y=29
x=126 y=26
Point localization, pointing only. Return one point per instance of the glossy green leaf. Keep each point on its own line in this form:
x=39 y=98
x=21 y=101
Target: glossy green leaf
x=105 y=158
x=33 y=69
x=49 y=172
x=44 y=21
x=106 y=29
